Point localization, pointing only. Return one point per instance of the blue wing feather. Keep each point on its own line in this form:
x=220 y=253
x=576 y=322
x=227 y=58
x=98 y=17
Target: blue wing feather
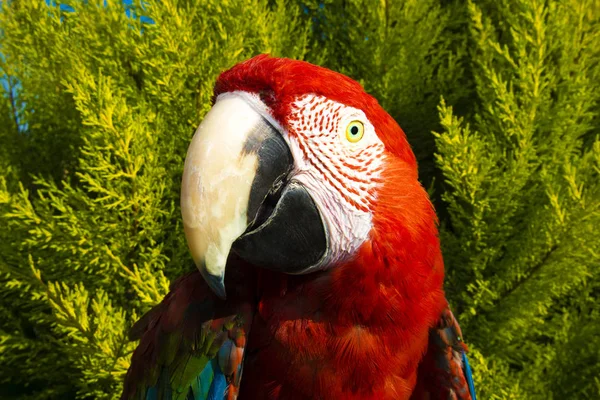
x=218 y=387
x=469 y=376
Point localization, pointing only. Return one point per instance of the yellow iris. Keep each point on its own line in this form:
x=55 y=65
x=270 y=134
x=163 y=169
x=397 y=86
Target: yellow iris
x=355 y=131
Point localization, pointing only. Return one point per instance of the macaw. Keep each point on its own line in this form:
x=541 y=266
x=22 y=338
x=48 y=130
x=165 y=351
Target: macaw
x=301 y=187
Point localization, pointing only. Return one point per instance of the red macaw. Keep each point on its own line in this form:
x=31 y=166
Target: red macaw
x=305 y=190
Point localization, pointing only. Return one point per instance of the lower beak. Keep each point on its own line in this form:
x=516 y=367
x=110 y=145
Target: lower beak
x=236 y=196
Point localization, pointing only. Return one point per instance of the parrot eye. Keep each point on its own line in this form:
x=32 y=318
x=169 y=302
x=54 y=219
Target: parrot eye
x=355 y=131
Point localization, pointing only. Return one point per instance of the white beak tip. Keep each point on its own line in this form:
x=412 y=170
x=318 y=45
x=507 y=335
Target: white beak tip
x=216 y=283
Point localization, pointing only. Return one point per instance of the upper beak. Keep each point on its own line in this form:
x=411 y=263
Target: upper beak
x=236 y=195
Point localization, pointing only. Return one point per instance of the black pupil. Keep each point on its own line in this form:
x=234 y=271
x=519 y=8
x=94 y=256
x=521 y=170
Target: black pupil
x=354 y=130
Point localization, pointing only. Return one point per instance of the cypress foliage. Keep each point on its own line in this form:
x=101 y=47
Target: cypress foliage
x=523 y=192
x=99 y=105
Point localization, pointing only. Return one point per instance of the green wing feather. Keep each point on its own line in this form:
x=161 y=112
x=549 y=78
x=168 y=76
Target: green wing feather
x=191 y=344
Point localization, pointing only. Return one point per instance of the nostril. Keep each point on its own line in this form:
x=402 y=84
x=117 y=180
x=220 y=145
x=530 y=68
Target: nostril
x=268 y=205
x=275 y=191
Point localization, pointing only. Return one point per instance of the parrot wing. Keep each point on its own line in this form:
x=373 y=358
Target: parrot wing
x=444 y=372
x=191 y=346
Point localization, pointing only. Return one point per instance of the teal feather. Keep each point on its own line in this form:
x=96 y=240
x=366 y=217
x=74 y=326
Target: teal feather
x=152 y=393
x=201 y=384
x=210 y=384
x=160 y=391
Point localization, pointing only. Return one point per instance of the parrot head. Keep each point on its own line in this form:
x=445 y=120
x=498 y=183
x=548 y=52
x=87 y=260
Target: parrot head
x=297 y=169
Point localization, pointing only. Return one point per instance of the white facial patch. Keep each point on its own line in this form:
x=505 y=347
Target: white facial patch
x=340 y=175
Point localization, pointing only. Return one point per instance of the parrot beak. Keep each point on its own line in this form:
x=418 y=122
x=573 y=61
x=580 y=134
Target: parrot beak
x=236 y=196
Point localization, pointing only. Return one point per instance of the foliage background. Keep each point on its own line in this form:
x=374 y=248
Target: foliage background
x=99 y=99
